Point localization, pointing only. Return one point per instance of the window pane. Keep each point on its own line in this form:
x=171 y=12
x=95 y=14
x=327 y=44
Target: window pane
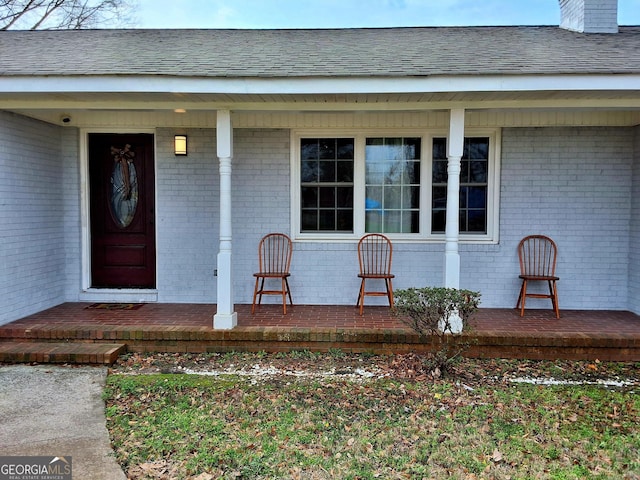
x=327 y=197
x=464 y=194
x=392 y=222
x=464 y=171
x=412 y=198
x=344 y=197
x=373 y=199
x=476 y=148
x=439 y=171
x=393 y=173
x=392 y=184
x=412 y=148
x=345 y=220
x=439 y=148
x=309 y=149
x=309 y=197
x=344 y=171
x=438 y=218
x=327 y=220
x=309 y=171
x=375 y=173
x=344 y=148
x=327 y=148
x=462 y=219
x=374 y=150
x=414 y=220
x=477 y=197
x=439 y=199
x=327 y=171
x=477 y=221
x=411 y=173
x=373 y=221
x=478 y=171
x=309 y=220
x=392 y=198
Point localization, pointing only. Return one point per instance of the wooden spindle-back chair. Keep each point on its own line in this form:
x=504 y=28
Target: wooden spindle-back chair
x=274 y=260
x=537 y=254
x=374 y=255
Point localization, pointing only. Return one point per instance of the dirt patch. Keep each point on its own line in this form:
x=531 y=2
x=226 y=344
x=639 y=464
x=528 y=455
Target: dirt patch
x=362 y=367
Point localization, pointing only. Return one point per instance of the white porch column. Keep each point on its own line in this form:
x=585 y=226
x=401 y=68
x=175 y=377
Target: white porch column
x=455 y=147
x=225 y=317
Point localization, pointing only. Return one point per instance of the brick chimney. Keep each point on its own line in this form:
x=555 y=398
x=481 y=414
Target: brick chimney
x=589 y=16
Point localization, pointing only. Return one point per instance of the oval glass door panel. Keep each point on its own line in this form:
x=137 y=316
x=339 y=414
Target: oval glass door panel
x=124 y=192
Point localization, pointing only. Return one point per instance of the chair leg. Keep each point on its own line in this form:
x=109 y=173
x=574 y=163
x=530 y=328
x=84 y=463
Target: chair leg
x=523 y=296
x=389 y=291
x=361 y=296
x=255 y=293
x=288 y=291
x=553 y=291
x=519 y=298
x=285 y=289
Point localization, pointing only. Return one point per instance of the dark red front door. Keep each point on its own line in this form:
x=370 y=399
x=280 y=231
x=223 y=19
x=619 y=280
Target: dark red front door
x=122 y=209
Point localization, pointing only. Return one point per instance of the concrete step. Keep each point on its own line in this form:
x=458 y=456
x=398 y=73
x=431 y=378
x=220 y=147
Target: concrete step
x=63 y=352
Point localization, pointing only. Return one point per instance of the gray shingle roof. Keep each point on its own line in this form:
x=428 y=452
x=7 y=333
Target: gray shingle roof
x=382 y=52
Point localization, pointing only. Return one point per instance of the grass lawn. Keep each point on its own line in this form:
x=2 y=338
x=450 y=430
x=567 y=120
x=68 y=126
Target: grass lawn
x=396 y=421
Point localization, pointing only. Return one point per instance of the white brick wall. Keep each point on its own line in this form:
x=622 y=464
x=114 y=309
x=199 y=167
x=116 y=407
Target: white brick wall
x=634 y=239
x=187 y=217
x=573 y=184
x=32 y=215
x=71 y=206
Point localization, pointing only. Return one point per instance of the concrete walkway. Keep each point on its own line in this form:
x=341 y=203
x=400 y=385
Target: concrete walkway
x=48 y=410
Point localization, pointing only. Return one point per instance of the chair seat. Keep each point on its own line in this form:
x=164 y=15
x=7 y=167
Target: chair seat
x=376 y=275
x=271 y=275
x=539 y=277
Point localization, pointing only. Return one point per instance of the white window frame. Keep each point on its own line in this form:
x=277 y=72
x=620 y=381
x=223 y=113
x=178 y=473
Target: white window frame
x=426 y=136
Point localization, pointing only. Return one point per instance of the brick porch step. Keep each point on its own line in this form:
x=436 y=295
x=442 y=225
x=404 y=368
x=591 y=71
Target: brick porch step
x=63 y=352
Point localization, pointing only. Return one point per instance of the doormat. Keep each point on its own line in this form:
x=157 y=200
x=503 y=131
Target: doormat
x=114 y=306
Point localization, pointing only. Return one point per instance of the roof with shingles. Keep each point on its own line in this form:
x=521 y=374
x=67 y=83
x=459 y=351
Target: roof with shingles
x=366 y=52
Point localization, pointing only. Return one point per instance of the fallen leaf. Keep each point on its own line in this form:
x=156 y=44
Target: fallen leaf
x=496 y=456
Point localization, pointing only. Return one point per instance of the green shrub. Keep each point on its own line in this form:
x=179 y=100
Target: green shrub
x=429 y=310
x=432 y=313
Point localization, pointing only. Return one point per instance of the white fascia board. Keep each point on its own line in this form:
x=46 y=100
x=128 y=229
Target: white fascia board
x=310 y=86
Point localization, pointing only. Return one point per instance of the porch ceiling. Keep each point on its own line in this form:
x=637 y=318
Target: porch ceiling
x=153 y=101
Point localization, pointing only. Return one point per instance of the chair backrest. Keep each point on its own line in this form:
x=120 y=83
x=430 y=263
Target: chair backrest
x=274 y=253
x=374 y=254
x=537 y=255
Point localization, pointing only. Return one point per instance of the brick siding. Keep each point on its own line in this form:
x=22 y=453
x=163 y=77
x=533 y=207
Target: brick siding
x=32 y=216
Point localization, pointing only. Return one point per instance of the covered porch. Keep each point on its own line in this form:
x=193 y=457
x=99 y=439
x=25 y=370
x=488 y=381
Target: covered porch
x=49 y=336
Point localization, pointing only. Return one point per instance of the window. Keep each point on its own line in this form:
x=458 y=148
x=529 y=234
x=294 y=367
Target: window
x=326 y=184
x=364 y=182
x=392 y=185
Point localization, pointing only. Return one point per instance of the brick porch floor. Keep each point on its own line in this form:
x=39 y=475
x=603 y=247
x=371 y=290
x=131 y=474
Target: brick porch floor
x=605 y=335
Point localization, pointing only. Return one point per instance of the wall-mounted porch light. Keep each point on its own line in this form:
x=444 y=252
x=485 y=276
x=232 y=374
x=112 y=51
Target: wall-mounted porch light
x=180 y=144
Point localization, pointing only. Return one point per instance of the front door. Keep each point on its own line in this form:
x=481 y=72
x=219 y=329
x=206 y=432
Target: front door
x=122 y=209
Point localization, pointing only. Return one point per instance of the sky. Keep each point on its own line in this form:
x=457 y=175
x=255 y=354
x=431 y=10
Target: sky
x=355 y=13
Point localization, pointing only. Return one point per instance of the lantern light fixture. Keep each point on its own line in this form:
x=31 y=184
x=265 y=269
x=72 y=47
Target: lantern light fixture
x=180 y=145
